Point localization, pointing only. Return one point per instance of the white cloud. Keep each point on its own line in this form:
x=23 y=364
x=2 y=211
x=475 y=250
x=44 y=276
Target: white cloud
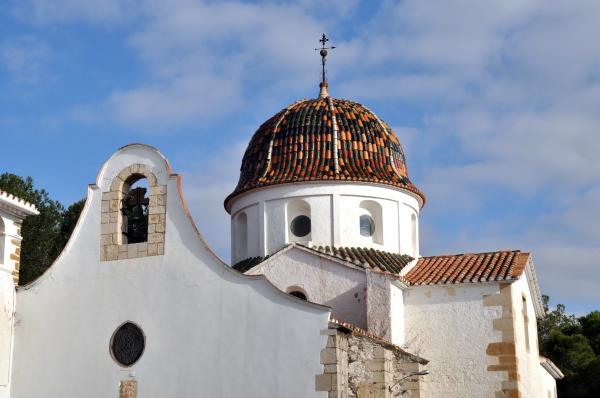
x=98 y=12
x=25 y=58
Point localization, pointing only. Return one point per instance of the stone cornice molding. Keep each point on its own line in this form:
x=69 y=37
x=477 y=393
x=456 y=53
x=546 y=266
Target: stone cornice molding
x=16 y=206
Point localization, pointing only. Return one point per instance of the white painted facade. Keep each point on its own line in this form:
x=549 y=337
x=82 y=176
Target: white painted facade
x=450 y=326
x=210 y=331
x=526 y=339
x=261 y=218
x=323 y=280
x=12 y=213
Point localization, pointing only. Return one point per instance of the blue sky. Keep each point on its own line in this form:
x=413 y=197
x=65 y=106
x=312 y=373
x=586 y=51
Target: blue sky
x=496 y=103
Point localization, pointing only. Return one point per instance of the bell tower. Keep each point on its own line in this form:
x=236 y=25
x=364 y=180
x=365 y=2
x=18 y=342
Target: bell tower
x=12 y=213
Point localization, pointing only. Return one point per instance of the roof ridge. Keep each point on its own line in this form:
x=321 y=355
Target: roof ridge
x=473 y=253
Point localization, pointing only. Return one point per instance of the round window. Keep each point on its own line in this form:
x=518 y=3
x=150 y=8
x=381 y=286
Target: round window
x=367 y=225
x=300 y=226
x=127 y=344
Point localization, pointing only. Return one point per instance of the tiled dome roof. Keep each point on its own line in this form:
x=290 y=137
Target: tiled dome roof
x=296 y=145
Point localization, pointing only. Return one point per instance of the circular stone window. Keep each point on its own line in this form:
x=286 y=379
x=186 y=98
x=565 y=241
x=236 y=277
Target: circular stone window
x=127 y=344
x=300 y=226
x=367 y=225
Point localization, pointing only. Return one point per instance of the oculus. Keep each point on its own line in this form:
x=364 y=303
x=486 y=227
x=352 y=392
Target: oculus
x=300 y=226
x=127 y=344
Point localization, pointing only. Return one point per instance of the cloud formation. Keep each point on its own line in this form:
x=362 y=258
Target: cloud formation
x=497 y=103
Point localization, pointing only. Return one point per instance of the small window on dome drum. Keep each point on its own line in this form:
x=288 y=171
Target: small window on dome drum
x=300 y=226
x=367 y=226
x=299 y=294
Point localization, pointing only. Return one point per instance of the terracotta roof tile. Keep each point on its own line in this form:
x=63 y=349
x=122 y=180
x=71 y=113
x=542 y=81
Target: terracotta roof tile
x=297 y=145
x=366 y=258
x=471 y=267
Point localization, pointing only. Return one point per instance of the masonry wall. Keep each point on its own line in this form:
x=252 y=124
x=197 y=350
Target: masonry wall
x=357 y=366
x=458 y=330
x=209 y=330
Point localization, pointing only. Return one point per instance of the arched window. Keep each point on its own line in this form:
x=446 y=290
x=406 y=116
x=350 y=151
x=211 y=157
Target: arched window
x=299 y=221
x=370 y=221
x=240 y=234
x=2 y=241
x=134 y=209
x=297 y=292
x=414 y=236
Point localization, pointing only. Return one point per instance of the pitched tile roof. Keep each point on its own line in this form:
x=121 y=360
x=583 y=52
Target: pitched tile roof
x=323 y=139
x=471 y=267
x=367 y=258
x=363 y=257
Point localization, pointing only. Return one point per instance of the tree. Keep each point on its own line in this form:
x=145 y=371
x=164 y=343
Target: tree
x=45 y=235
x=591 y=329
x=572 y=344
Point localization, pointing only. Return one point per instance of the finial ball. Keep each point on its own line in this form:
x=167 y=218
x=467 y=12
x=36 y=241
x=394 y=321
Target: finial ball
x=323 y=53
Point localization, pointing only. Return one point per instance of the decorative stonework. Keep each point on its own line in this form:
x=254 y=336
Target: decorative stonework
x=504 y=350
x=128 y=389
x=16 y=255
x=113 y=243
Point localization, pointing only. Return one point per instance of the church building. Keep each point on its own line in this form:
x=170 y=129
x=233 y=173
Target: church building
x=327 y=294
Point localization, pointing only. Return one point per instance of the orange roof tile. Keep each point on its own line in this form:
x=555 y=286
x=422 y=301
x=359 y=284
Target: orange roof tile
x=470 y=267
x=323 y=139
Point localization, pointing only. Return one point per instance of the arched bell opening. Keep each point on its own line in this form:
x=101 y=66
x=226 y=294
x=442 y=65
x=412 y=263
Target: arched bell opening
x=135 y=207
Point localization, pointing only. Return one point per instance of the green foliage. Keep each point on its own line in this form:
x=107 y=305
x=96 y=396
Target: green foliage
x=45 y=235
x=591 y=329
x=572 y=344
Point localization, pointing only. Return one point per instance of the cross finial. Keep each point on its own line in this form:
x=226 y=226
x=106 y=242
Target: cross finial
x=323 y=51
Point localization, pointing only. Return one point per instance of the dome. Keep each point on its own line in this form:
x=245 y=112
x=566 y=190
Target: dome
x=296 y=145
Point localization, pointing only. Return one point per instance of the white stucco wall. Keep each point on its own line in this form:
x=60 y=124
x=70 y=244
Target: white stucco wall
x=324 y=281
x=7 y=289
x=210 y=331
x=532 y=383
x=548 y=384
x=397 y=314
x=12 y=213
x=450 y=326
x=335 y=211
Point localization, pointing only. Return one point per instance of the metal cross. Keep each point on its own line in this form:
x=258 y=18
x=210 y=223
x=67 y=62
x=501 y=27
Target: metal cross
x=323 y=51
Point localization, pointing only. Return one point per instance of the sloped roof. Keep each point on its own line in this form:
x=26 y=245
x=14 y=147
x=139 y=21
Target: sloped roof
x=350 y=328
x=505 y=265
x=323 y=139
x=362 y=257
x=551 y=368
x=368 y=258
x=470 y=267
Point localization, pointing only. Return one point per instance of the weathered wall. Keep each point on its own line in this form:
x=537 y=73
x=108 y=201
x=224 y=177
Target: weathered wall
x=453 y=329
x=323 y=280
x=335 y=211
x=356 y=366
x=209 y=330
